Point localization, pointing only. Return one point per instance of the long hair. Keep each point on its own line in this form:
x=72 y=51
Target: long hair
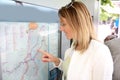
x=80 y=20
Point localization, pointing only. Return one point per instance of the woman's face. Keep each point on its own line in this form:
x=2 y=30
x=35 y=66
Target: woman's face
x=65 y=27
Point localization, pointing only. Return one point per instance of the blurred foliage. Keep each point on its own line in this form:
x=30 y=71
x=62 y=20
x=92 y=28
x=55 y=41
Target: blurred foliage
x=103 y=14
x=105 y=2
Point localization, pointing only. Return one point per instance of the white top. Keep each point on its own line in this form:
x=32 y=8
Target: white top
x=65 y=64
x=94 y=64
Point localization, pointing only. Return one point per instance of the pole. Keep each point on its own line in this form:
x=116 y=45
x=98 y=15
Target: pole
x=119 y=27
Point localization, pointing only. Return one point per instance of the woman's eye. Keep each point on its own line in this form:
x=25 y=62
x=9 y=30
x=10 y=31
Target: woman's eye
x=62 y=24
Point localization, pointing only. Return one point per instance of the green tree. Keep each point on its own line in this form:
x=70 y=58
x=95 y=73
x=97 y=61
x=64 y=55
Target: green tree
x=105 y=15
x=105 y=2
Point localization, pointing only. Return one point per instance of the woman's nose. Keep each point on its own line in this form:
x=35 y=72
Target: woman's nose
x=61 y=29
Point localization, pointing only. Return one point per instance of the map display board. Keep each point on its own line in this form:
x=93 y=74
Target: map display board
x=19 y=42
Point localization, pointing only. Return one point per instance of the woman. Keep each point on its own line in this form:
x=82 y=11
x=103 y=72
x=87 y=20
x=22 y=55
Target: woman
x=87 y=59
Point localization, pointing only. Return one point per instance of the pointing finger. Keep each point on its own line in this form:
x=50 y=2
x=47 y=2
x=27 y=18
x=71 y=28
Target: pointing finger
x=42 y=51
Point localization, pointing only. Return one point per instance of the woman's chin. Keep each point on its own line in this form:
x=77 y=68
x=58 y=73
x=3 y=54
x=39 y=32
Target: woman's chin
x=69 y=38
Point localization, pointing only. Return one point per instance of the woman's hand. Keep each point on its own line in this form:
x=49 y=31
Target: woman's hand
x=47 y=57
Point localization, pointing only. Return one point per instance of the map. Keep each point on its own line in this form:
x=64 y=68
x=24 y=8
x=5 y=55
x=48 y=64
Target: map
x=19 y=42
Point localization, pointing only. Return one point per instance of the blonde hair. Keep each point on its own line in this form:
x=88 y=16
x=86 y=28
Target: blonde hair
x=80 y=20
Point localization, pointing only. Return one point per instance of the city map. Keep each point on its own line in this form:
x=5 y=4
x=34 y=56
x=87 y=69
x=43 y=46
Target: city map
x=19 y=42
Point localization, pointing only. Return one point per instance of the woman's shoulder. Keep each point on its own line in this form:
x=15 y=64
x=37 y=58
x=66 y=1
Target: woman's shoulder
x=97 y=44
x=100 y=48
x=101 y=51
